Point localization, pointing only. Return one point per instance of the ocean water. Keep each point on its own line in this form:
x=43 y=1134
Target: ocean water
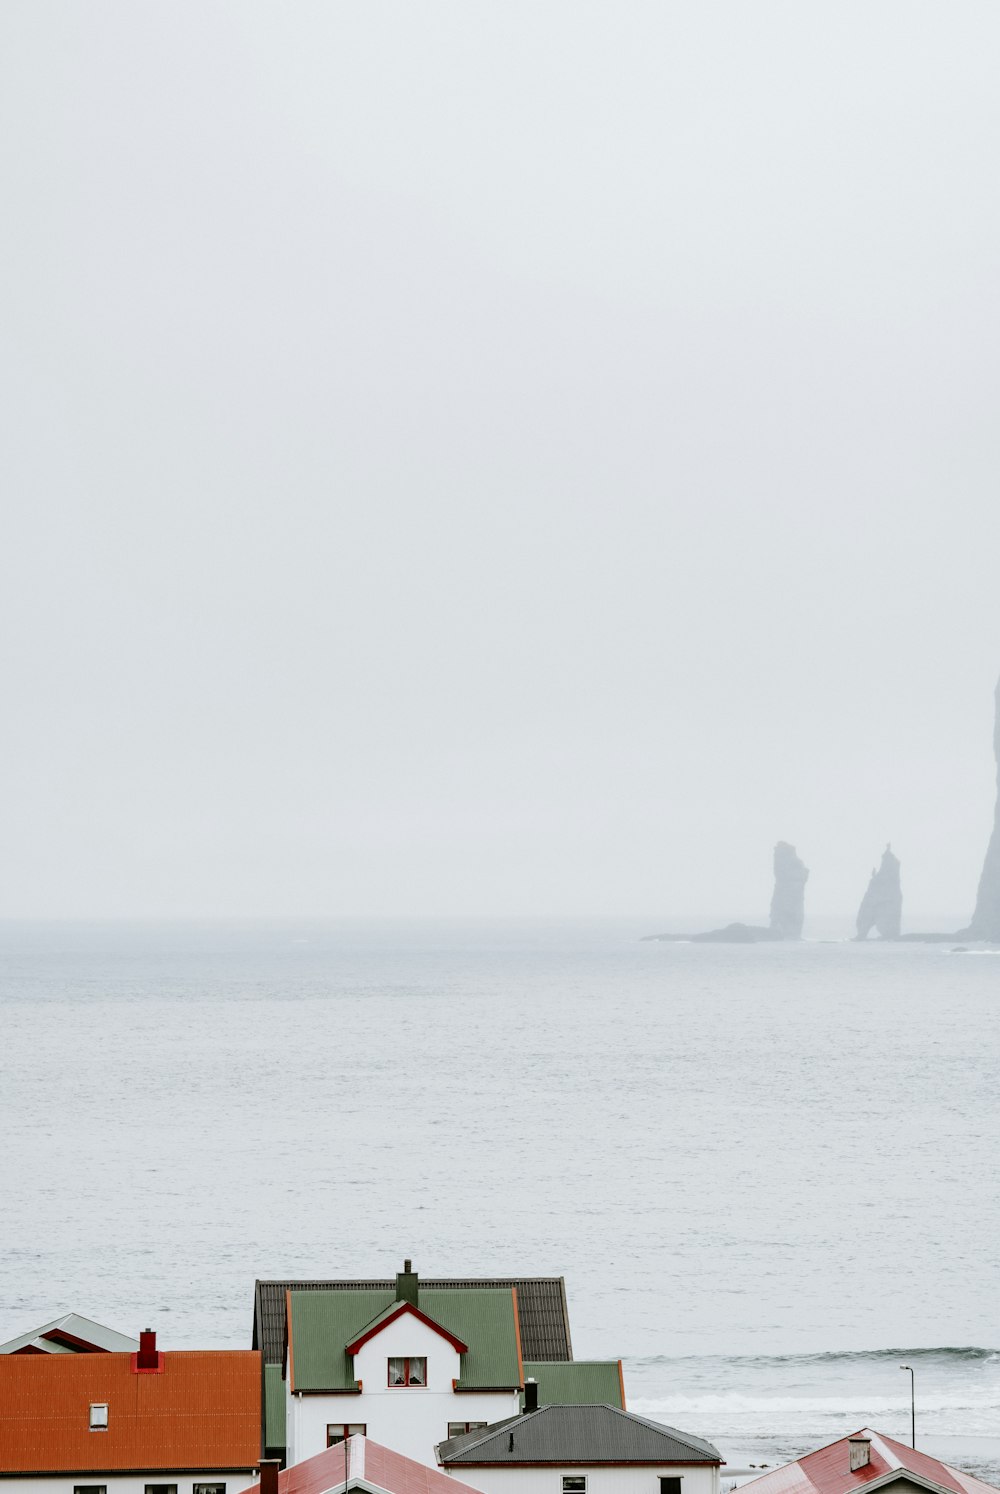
x=768 y=1173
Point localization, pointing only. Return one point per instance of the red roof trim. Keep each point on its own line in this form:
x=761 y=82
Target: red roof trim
x=82 y=1345
x=621 y=1383
x=401 y=1308
x=517 y=1335
x=288 y=1335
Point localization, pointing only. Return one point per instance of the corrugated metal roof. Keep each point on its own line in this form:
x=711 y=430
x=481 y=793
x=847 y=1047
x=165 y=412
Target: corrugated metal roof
x=562 y=1435
x=202 y=1412
x=368 y=1462
x=541 y=1304
x=828 y=1469
x=324 y=1323
x=274 y=1406
x=71 y=1326
x=580 y=1382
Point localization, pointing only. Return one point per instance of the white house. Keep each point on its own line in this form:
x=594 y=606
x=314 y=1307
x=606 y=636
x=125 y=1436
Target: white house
x=407 y=1368
x=142 y=1423
x=578 y=1449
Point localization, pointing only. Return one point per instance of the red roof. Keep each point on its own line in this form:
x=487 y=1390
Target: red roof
x=367 y=1462
x=828 y=1470
x=202 y=1411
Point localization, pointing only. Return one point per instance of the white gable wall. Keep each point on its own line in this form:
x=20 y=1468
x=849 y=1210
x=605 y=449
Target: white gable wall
x=409 y=1419
x=625 y=1479
x=235 y=1480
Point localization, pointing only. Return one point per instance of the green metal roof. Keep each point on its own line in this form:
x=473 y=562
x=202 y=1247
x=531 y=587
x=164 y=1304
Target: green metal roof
x=580 y=1382
x=484 y=1320
x=274 y=1406
x=324 y=1323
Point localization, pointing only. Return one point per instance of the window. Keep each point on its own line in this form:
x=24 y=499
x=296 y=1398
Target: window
x=90 y=1489
x=339 y=1431
x=407 y=1371
x=99 y=1418
x=161 y=1489
x=670 y=1485
x=575 y=1483
x=208 y=1489
x=457 y=1428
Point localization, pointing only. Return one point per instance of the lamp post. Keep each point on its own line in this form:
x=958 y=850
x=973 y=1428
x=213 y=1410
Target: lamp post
x=913 y=1406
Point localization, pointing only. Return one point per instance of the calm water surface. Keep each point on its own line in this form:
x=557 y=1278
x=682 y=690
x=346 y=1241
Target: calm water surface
x=756 y=1167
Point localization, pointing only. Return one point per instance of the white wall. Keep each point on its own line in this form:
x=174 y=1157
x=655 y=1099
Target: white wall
x=695 y=1480
x=131 y=1483
x=409 y=1419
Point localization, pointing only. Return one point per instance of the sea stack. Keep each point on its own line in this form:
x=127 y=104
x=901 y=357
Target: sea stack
x=882 y=905
x=788 y=904
x=986 y=919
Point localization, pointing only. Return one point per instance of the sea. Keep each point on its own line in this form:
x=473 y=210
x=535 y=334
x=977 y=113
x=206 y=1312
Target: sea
x=768 y=1173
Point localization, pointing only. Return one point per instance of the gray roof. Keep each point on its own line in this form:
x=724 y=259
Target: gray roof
x=68 y=1334
x=563 y=1435
x=541 y=1310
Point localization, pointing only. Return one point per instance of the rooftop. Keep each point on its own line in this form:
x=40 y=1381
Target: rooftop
x=581 y=1381
x=200 y=1411
x=828 y=1470
x=541 y=1306
x=583 y=1434
x=369 y=1466
x=322 y=1325
x=70 y=1334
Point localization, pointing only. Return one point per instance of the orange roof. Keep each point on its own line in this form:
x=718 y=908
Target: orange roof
x=202 y=1412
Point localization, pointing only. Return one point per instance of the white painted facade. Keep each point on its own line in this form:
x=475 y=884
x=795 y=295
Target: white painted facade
x=235 y=1480
x=623 y=1479
x=409 y=1419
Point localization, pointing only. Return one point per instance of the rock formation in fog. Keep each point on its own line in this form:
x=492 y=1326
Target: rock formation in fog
x=882 y=905
x=986 y=919
x=787 y=908
x=788 y=902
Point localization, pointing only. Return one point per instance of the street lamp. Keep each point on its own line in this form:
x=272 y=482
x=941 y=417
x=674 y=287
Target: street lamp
x=913 y=1406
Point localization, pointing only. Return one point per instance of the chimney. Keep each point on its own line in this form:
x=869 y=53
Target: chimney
x=861 y=1452
x=269 y=1475
x=407 y=1286
x=530 y=1395
x=147 y=1357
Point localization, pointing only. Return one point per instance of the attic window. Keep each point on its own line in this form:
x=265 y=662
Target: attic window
x=670 y=1484
x=408 y=1372
x=574 y=1483
x=99 y=1417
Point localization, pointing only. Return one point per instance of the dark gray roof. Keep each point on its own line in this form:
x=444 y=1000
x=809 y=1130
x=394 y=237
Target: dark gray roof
x=541 y=1308
x=575 y=1434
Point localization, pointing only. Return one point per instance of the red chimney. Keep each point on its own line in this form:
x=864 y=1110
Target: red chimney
x=147 y=1361
x=269 y=1475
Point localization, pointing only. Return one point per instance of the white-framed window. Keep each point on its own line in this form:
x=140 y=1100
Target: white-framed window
x=208 y=1489
x=339 y=1431
x=90 y=1489
x=98 y=1416
x=458 y=1428
x=161 y=1489
x=574 y=1483
x=408 y=1371
x=670 y=1483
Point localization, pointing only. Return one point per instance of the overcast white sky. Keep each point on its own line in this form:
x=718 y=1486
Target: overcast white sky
x=511 y=457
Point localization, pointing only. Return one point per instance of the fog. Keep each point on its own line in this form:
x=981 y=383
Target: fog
x=496 y=458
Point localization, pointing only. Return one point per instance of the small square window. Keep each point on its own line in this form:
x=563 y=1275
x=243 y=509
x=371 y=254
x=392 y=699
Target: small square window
x=339 y=1431
x=407 y=1371
x=208 y=1489
x=99 y=1417
x=574 y=1483
x=670 y=1485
